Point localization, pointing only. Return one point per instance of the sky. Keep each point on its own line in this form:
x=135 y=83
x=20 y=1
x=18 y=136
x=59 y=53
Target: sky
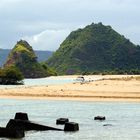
x=46 y=23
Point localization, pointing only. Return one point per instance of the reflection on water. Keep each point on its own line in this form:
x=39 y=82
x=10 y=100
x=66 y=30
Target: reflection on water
x=123 y=118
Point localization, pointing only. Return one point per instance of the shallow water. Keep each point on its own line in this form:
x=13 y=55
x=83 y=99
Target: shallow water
x=123 y=117
x=48 y=81
x=41 y=82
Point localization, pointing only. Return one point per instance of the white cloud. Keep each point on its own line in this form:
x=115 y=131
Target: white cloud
x=48 y=39
x=7 y=3
x=20 y=18
x=131 y=32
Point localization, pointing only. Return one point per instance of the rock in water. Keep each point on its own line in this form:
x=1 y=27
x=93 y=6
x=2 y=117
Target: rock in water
x=21 y=116
x=28 y=125
x=11 y=133
x=62 y=121
x=100 y=118
x=71 y=126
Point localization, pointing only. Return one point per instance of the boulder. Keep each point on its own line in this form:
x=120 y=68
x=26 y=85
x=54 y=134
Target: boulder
x=71 y=126
x=100 y=118
x=21 y=116
x=62 y=121
x=107 y=125
x=28 y=125
x=11 y=133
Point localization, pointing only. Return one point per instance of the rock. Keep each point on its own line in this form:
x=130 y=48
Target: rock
x=11 y=133
x=100 y=118
x=71 y=126
x=107 y=125
x=21 y=116
x=28 y=125
x=62 y=121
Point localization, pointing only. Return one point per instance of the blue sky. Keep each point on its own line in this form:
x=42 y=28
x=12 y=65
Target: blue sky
x=46 y=23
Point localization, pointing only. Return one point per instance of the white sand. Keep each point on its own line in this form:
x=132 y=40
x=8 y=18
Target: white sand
x=100 y=90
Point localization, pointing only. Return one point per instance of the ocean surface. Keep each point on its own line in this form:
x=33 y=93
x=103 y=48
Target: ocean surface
x=47 y=81
x=122 y=119
x=42 y=82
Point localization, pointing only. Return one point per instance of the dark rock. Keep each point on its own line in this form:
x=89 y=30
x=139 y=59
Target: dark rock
x=21 y=116
x=71 y=126
x=107 y=125
x=28 y=125
x=100 y=118
x=62 y=121
x=11 y=133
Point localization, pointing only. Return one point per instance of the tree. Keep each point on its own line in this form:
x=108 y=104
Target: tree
x=11 y=76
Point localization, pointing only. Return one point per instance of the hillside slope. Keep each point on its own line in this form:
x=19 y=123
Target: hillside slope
x=41 y=55
x=23 y=57
x=95 y=48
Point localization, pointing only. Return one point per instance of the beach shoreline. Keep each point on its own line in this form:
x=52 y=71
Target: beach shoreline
x=125 y=88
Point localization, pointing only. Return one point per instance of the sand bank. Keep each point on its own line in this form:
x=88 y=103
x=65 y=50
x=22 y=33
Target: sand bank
x=106 y=88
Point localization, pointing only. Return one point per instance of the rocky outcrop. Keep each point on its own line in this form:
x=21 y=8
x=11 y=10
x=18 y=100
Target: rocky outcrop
x=23 y=57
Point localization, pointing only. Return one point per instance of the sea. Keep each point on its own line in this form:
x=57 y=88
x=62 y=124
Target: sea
x=122 y=118
x=42 y=82
x=50 y=81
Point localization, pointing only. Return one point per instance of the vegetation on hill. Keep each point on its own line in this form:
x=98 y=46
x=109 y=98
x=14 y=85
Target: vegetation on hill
x=41 y=55
x=24 y=58
x=96 y=49
x=11 y=76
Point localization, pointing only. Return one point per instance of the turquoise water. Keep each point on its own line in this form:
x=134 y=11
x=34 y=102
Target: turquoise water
x=123 y=117
x=42 y=82
x=48 y=81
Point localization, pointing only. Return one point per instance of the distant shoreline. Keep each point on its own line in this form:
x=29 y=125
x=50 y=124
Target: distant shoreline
x=125 y=88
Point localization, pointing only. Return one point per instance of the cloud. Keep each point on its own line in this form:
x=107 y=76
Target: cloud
x=48 y=39
x=44 y=18
x=132 y=32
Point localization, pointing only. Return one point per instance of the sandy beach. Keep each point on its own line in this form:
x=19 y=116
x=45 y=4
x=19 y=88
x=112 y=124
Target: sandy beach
x=105 y=88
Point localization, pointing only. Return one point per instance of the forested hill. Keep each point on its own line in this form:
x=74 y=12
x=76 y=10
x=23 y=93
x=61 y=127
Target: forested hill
x=96 y=48
x=41 y=55
x=23 y=57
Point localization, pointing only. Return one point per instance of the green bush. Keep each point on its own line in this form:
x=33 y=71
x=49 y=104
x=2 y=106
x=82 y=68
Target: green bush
x=10 y=76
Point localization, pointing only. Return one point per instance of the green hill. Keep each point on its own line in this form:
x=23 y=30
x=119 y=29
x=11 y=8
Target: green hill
x=41 y=55
x=96 y=48
x=24 y=58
